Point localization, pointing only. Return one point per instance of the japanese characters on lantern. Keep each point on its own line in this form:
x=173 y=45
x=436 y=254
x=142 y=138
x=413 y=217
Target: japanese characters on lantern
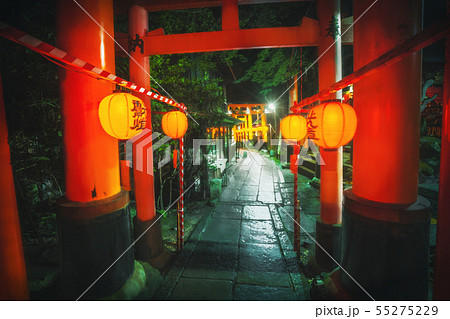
x=331 y=124
x=122 y=115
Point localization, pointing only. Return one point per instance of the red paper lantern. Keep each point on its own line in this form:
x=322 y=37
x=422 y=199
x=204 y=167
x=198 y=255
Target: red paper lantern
x=331 y=124
x=293 y=127
x=122 y=115
x=174 y=124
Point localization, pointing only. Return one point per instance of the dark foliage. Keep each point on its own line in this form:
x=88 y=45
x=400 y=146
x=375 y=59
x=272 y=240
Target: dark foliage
x=33 y=114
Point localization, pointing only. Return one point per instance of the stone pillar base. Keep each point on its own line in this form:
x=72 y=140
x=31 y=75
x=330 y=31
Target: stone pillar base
x=329 y=238
x=385 y=248
x=92 y=236
x=149 y=247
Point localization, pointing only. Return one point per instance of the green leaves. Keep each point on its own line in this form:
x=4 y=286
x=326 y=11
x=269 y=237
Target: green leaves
x=274 y=67
x=186 y=21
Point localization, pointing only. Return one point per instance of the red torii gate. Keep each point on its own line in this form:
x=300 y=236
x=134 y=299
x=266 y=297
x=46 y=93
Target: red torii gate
x=93 y=193
x=230 y=38
x=154 y=42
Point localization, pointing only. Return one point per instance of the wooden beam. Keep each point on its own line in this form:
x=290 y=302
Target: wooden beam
x=421 y=40
x=120 y=6
x=304 y=35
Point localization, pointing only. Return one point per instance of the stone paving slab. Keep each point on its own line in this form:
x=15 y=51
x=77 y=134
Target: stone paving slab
x=170 y=280
x=247 y=198
x=270 y=278
x=250 y=182
x=203 y=289
x=266 y=197
x=258 y=232
x=278 y=198
x=249 y=190
x=262 y=264
x=213 y=261
x=264 y=293
x=266 y=187
x=285 y=242
x=224 y=231
x=277 y=223
x=229 y=211
x=256 y=213
x=229 y=195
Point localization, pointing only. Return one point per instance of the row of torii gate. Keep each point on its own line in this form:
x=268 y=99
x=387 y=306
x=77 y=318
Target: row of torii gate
x=385 y=222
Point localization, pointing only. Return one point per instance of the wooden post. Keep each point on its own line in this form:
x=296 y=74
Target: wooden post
x=139 y=70
x=94 y=200
x=250 y=125
x=180 y=213
x=441 y=277
x=13 y=275
x=150 y=247
x=393 y=90
x=91 y=156
x=230 y=15
x=328 y=224
x=296 y=203
x=383 y=210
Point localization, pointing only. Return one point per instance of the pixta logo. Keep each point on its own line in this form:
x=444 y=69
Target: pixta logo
x=144 y=147
x=307 y=146
x=253 y=155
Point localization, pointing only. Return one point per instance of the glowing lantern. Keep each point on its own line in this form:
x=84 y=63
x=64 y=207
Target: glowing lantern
x=174 y=124
x=293 y=127
x=122 y=115
x=332 y=124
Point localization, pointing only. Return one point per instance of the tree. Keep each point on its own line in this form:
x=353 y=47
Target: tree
x=275 y=67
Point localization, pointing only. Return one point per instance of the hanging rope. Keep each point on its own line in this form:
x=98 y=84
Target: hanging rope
x=52 y=52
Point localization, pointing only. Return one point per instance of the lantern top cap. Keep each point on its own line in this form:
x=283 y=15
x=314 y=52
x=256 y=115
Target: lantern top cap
x=330 y=101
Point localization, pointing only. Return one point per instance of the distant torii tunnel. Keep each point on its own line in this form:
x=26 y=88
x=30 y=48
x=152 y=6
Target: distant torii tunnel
x=254 y=123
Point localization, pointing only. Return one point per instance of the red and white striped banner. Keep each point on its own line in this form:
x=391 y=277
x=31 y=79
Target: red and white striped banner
x=180 y=215
x=39 y=46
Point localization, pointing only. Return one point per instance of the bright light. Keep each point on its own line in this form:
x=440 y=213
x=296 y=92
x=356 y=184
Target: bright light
x=272 y=106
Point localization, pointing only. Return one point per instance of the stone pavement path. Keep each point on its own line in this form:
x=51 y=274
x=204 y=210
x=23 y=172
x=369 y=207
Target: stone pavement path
x=243 y=250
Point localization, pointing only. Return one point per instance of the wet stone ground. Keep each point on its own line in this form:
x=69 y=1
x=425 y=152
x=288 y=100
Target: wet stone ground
x=243 y=249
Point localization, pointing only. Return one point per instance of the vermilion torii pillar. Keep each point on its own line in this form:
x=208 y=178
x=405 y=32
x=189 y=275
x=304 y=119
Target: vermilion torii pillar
x=149 y=247
x=385 y=234
x=94 y=217
x=328 y=225
x=13 y=275
x=230 y=15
